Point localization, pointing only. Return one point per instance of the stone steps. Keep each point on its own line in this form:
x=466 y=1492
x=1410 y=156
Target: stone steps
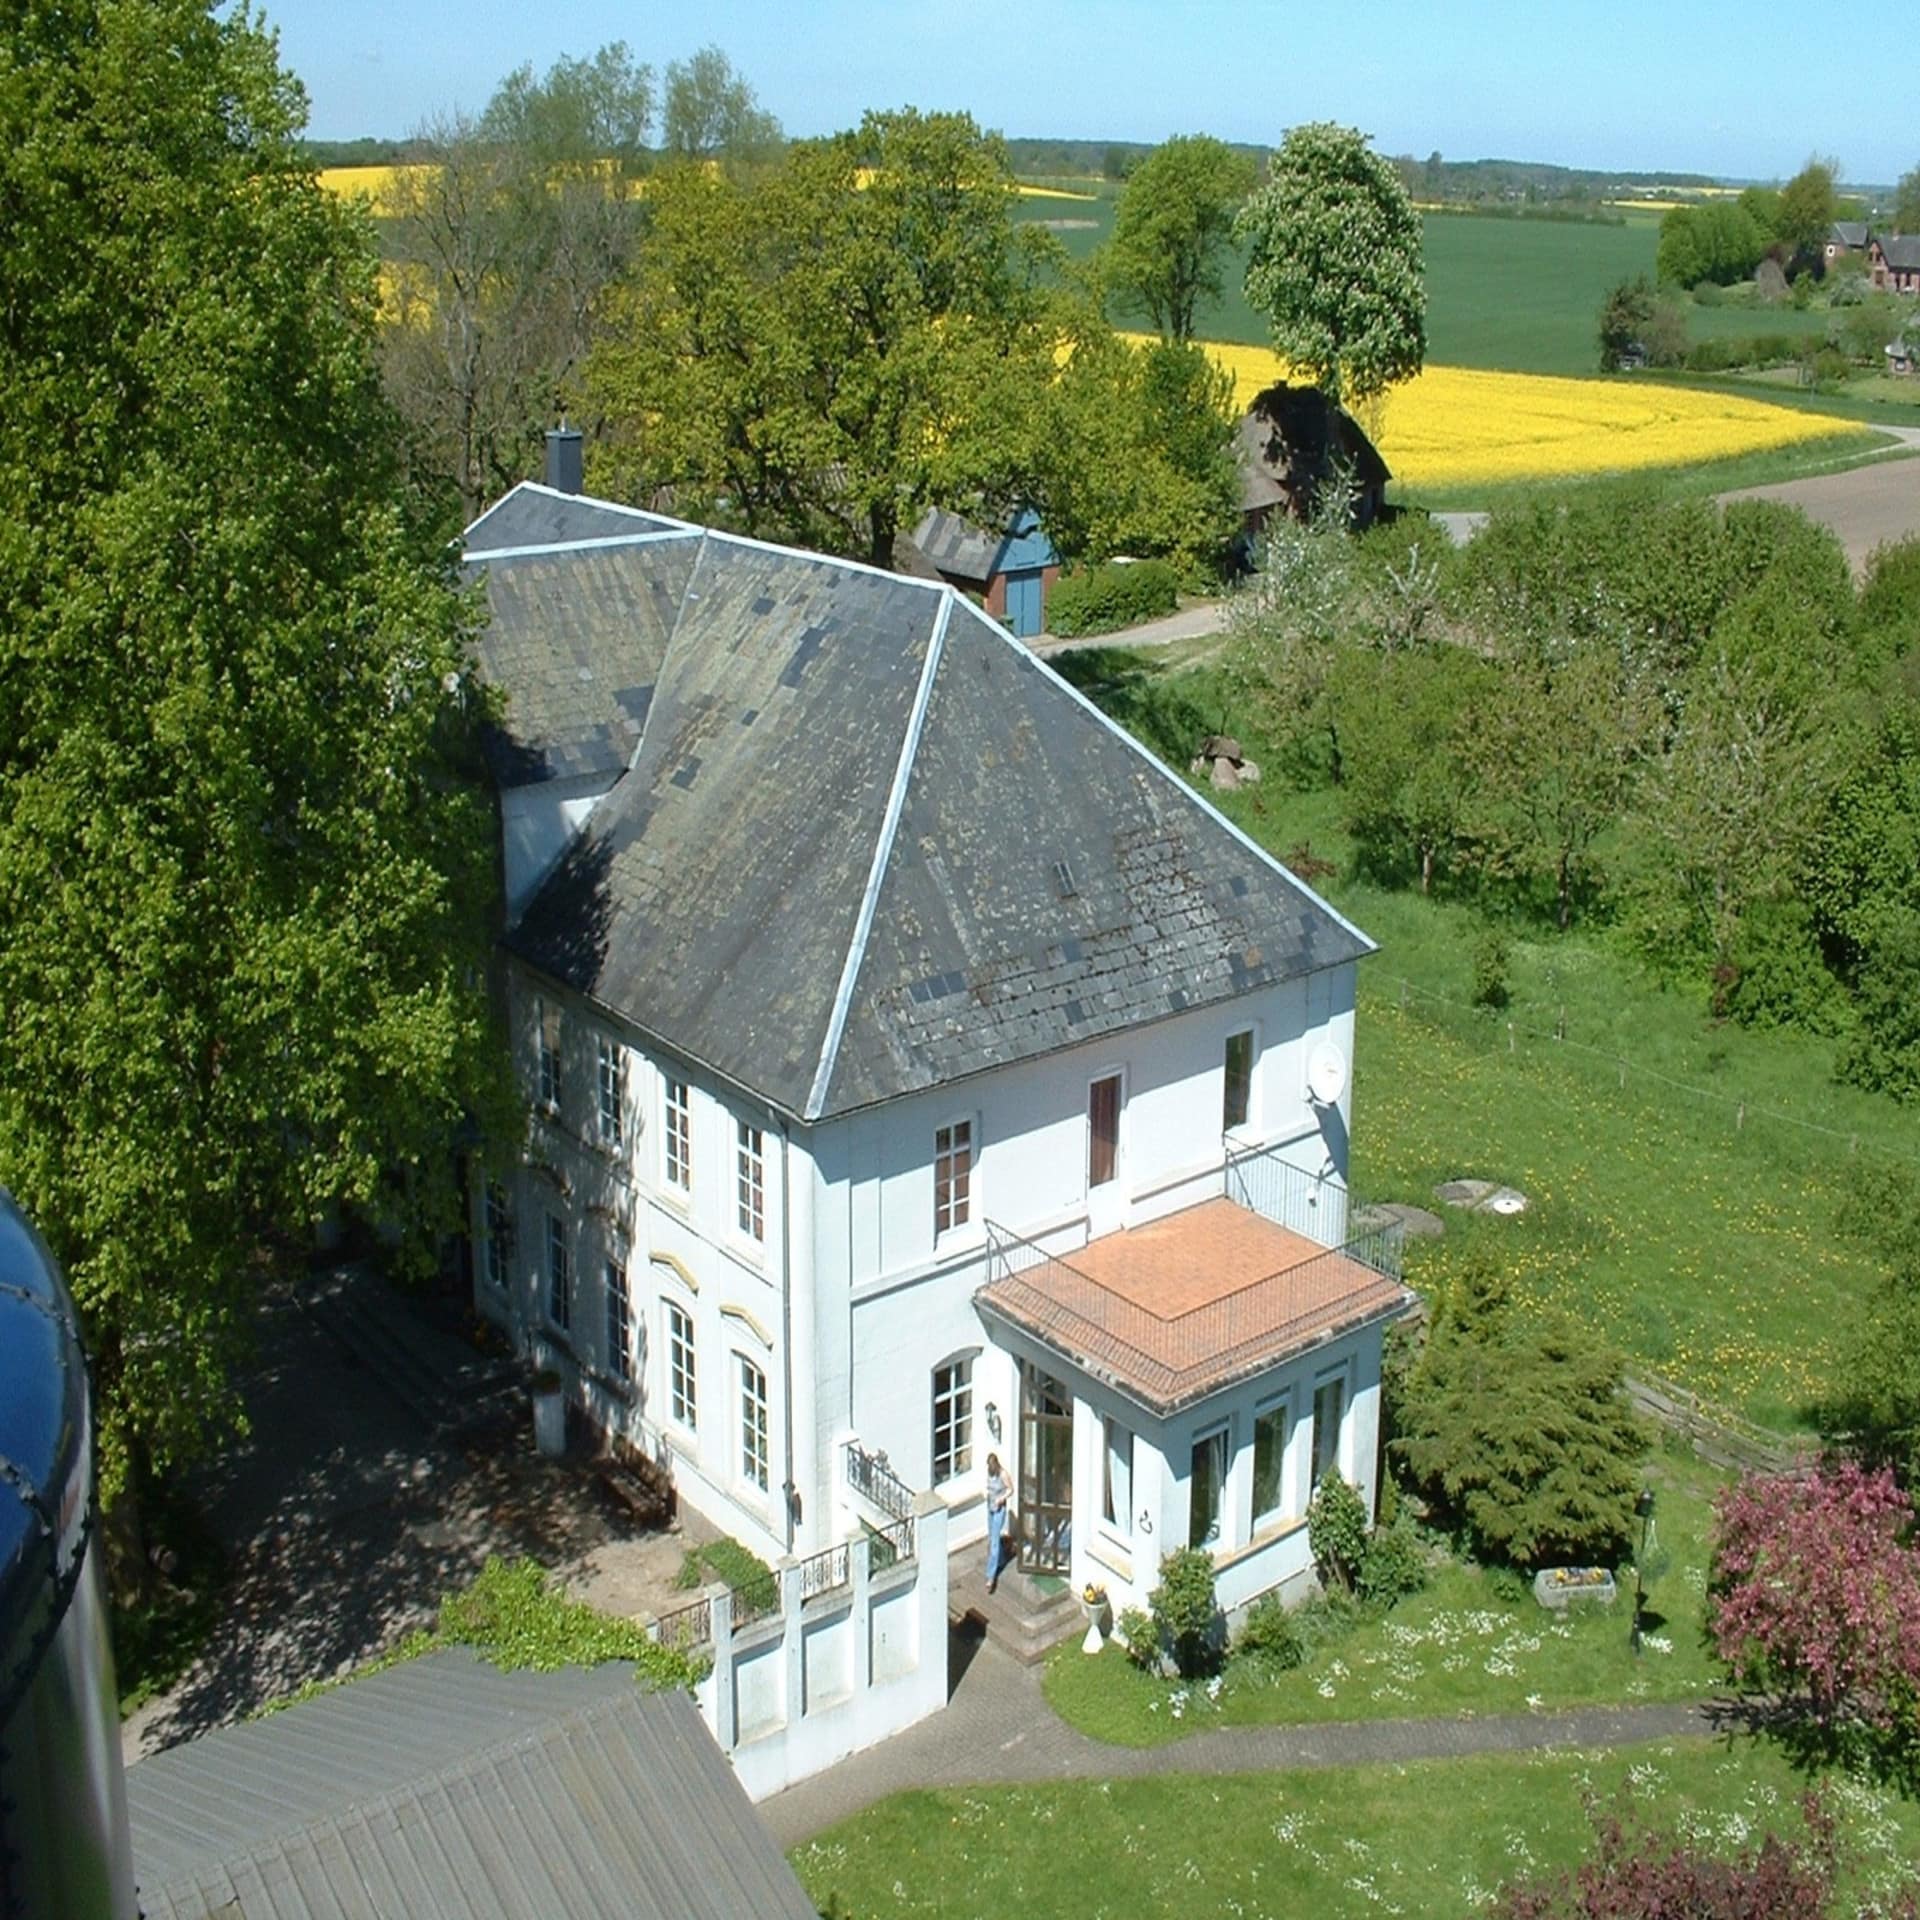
x=1021 y=1617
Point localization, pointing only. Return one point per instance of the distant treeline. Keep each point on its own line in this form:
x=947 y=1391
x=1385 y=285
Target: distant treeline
x=321 y=154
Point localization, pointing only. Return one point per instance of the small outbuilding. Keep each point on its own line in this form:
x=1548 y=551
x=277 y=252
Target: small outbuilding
x=1291 y=442
x=1011 y=568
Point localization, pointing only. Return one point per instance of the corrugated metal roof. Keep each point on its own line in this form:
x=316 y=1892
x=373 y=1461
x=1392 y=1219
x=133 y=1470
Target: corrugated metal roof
x=445 y=1788
x=833 y=871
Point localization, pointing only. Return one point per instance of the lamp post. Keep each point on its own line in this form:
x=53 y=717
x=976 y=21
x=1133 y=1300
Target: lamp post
x=1644 y=1508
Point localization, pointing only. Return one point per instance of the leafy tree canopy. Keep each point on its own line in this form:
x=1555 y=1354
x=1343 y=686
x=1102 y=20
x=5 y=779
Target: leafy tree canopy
x=238 y=872
x=1906 y=202
x=1335 y=262
x=711 y=113
x=1171 y=230
x=819 y=354
x=505 y=250
x=1809 y=205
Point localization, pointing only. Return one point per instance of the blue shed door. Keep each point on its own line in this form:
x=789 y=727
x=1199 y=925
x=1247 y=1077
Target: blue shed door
x=1023 y=603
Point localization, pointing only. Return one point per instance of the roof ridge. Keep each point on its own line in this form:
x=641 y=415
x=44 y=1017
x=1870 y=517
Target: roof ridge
x=640 y=537
x=1159 y=766
x=882 y=856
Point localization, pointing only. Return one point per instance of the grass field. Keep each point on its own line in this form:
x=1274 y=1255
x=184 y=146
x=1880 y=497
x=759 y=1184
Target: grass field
x=1459 y=1648
x=1429 y=1838
x=1692 y=1184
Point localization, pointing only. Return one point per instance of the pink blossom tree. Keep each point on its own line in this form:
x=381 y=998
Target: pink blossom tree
x=1815 y=1601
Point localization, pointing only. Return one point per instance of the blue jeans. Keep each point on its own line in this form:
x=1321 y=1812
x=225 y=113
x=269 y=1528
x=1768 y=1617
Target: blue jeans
x=996 y=1529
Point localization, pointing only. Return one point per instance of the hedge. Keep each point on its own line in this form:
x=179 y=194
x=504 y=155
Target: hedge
x=1105 y=598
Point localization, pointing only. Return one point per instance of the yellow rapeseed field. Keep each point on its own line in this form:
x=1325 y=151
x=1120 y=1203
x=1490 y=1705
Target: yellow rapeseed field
x=372 y=184
x=1463 y=426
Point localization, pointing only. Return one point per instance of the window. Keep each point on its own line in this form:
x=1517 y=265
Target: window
x=1269 y=1461
x=753 y=1424
x=679 y=1136
x=680 y=1380
x=952 y=1418
x=1209 y=1478
x=611 y=1082
x=499 y=1234
x=547 y=1026
x=750 y=1182
x=1116 y=1493
x=952 y=1176
x=1329 y=1407
x=1103 y=1130
x=619 y=1320
x=559 y=1274
x=1239 y=1081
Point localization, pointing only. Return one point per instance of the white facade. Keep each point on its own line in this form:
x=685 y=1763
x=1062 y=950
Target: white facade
x=789 y=1290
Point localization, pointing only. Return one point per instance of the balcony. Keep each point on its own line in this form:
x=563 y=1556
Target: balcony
x=1198 y=1300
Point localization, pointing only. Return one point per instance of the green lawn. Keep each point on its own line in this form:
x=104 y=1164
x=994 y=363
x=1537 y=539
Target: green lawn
x=1429 y=1838
x=1672 y=1205
x=1457 y=1648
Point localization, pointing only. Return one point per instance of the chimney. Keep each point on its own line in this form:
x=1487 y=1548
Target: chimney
x=565 y=460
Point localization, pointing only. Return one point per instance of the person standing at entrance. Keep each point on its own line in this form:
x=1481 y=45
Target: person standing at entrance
x=999 y=1492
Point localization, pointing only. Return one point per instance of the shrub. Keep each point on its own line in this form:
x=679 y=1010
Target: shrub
x=1185 y=1610
x=1105 y=598
x=1337 y=1530
x=1270 y=1637
x=1392 y=1568
x=1814 y=1599
x=1490 y=988
x=750 y=1578
x=1142 y=1638
x=1517 y=1432
x=512 y=1616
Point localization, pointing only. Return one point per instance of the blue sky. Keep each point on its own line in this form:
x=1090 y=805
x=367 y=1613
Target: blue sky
x=1737 y=90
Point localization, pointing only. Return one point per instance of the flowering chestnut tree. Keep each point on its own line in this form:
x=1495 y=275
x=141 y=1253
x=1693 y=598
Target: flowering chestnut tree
x=1815 y=1599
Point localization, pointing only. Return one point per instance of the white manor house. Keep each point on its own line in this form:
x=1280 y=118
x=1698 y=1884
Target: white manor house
x=919 y=1071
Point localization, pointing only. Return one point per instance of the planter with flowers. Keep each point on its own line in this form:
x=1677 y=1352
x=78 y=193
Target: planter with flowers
x=1559 y=1587
x=1093 y=1597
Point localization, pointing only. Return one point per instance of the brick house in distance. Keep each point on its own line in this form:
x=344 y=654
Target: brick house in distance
x=917 y=1070
x=1011 y=570
x=1894 y=262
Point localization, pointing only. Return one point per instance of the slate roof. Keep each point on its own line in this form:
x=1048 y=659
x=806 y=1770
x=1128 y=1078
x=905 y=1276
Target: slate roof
x=443 y=1788
x=1848 y=233
x=867 y=844
x=1902 y=250
x=958 y=547
x=533 y=515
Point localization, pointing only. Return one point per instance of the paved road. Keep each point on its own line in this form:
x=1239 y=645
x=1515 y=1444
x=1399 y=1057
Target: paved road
x=998 y=1729
x=1865 y=505
x=1190 y=623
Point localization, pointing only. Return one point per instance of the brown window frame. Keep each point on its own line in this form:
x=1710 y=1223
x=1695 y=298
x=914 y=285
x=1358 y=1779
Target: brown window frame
x=1103 y=1147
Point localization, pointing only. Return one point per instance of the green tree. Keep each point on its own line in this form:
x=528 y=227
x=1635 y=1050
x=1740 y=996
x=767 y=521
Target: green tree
x=1133 y=449
x=1551 y=761
x=1518 y=1431
x=1905 y=212
x=1172 y=227
x=709 y=112
x=504 y=252
x=823 y=352
x=1335 y=263
x=1809 y=205
x=1624 y=315
x=243 y=886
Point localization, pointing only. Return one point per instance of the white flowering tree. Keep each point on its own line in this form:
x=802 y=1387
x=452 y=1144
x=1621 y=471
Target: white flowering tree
x=1336 y=263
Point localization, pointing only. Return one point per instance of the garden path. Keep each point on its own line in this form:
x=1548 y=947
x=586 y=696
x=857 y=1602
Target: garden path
x=997 y=1729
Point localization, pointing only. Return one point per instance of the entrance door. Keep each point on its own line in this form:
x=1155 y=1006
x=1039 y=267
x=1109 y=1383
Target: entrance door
x=1023 y=604
x=1046 y=1472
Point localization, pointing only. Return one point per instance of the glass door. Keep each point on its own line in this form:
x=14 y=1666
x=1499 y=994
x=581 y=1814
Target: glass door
x=1046 y=1472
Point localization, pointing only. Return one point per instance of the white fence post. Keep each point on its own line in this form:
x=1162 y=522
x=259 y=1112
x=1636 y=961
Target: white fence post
x=726 y=1700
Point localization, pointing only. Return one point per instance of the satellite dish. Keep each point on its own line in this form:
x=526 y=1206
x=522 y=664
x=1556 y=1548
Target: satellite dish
x=1326 y=1074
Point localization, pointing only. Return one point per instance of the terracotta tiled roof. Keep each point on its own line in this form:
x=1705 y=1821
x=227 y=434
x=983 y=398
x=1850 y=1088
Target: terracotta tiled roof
x=1190 y=1303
